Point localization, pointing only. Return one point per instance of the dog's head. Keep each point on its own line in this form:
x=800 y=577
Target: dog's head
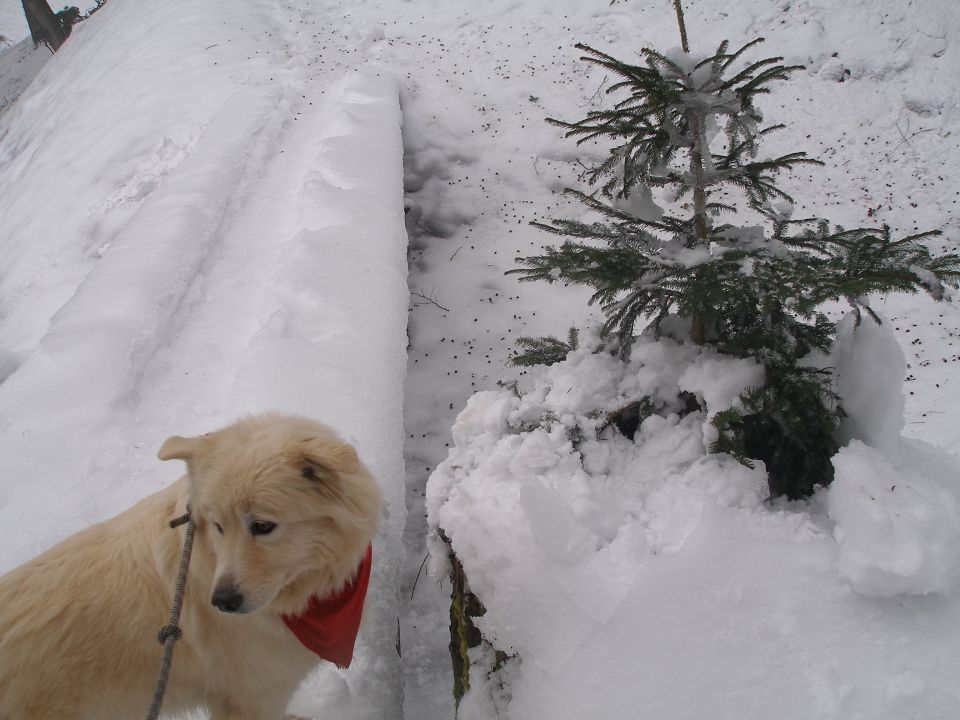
x=285 y=507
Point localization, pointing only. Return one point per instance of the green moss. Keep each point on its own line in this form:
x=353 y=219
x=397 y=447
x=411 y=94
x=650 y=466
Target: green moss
x=464 y=634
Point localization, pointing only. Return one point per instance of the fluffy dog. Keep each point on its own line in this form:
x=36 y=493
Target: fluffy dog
x=284 y=513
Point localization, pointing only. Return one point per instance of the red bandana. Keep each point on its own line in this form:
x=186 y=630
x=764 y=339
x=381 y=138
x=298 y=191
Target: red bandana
x=329 y=626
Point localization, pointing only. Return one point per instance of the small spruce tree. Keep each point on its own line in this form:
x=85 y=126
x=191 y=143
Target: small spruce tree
x=747 y=291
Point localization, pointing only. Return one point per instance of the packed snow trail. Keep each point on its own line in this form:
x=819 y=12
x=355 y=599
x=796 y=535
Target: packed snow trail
x=233 y=243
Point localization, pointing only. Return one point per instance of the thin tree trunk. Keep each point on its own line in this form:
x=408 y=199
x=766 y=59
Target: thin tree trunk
x=698 y=328
x=45 y=26
x=683 y=26
x=698 y=172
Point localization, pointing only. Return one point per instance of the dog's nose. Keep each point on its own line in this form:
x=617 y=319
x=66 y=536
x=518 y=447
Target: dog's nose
x=227 y=599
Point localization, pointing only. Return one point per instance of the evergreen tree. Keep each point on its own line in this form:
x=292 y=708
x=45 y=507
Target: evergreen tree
x=749 y=292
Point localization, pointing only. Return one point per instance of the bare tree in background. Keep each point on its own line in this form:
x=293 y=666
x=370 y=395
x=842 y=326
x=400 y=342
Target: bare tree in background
x=46 y=26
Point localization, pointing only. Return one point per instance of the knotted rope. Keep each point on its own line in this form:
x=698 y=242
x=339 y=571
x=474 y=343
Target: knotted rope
x=171 y=632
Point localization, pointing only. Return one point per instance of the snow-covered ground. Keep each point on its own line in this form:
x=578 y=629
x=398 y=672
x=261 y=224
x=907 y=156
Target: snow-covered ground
x=650 y=579
x=653 y=575
x=199 y=216
x=19 y=64
x=13 y=24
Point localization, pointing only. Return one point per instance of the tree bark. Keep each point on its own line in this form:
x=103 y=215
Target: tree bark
x=683 y=26
x=697 y=170
x=45 y=26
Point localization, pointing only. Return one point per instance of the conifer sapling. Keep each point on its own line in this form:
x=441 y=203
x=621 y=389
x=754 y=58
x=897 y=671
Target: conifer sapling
x=689 y=128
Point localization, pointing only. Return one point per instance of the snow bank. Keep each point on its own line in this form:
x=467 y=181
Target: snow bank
x=870 y=368
x=196 y=223
x=897 y=527
x=645 y=573
x=527 y=473
x=895 y=502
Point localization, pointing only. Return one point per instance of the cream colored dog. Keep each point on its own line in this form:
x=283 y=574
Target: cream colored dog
x=284 y=512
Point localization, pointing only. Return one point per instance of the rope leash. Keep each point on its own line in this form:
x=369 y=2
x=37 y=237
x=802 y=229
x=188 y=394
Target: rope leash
x=171 y=632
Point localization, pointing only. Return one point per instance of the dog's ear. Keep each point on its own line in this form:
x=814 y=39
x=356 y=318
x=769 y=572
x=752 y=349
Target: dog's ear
x=324 y=454
x=181 y=448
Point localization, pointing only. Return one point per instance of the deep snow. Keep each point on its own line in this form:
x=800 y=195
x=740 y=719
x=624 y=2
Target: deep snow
x=475 y=82
x=654 y=560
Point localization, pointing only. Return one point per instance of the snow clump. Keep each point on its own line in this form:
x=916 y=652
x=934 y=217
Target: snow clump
x=554 y=525
x=895 y=502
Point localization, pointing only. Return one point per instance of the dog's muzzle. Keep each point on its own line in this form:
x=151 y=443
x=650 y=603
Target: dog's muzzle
x=227 y=599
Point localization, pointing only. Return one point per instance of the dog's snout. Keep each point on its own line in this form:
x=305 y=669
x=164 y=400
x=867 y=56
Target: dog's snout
x=227 y=599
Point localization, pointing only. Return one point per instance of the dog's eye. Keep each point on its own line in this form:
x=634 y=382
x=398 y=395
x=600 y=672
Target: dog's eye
x=262 y=527
x=219 y=529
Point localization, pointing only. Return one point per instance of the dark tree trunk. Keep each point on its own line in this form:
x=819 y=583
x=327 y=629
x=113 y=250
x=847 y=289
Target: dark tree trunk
x=45 y=26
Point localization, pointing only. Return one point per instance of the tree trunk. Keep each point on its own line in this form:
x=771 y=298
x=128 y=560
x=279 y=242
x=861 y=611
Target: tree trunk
x=683 y=26
x=45 y=26
x=698 y=330
x=697 y=170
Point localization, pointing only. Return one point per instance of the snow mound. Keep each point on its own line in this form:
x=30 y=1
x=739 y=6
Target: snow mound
x=897 y=527
x=870 y=368
x=529 y=472
x=601 y=559
x=894 y=501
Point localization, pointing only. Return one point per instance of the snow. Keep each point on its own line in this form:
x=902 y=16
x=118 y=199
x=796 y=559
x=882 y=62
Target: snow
x=719 y=381
x=515 y=480
x=19 y=64
x=13 y=23
x=894 y=501
x=870 y=367
x=604 y=561
x=897 y=524
x=219 y=232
